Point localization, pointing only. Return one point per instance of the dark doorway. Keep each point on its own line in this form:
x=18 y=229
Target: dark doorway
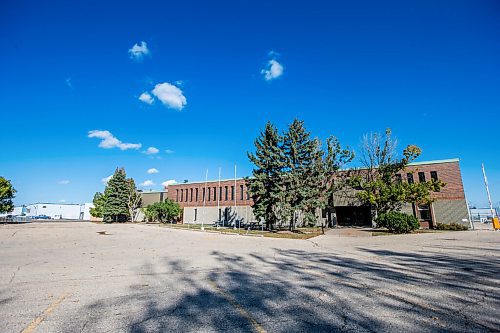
x=353 y=216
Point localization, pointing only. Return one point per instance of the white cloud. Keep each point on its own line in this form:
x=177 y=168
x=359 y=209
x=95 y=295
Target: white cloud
x=63 y=182
x=168 y=182
x=146 y=98
x=151 y=151
x=170 y=95
x=273 y=70
x=169 y=151
x=68 y=82
x=106 y=180
x=109 y=141
x=153 y=170
x=147 y=183
x=62 y=201
x=137 y=52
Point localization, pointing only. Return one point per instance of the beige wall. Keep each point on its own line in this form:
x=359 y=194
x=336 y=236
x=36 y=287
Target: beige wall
x=451 y=211
x=211 y=214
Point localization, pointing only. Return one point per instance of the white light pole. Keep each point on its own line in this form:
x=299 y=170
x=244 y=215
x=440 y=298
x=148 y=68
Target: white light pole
x=204 y=200
x=488 y=192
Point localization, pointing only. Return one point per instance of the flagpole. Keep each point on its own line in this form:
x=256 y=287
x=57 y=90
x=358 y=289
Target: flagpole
x=204 y=200
x=218 y=192
x=234 y=193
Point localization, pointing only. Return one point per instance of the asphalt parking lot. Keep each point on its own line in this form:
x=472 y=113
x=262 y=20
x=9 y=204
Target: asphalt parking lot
x=84 y=277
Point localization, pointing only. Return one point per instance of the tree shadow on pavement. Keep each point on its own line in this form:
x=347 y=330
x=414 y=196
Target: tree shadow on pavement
x=300 y=291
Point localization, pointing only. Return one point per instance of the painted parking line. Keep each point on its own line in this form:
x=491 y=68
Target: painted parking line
x=34 y=324
x=244 y=313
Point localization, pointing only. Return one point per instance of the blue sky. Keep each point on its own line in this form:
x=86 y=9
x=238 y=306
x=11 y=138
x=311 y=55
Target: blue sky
x=215 y=72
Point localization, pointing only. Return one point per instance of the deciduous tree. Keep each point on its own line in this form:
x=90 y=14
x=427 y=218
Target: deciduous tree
x=7 y=193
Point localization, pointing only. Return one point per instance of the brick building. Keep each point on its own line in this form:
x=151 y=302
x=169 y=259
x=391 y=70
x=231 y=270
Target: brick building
x=229 y=200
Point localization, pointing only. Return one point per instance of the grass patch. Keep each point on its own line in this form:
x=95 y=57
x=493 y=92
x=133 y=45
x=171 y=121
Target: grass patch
x=303 y=233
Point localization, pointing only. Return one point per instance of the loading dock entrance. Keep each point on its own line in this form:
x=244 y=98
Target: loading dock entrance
x=353 y=216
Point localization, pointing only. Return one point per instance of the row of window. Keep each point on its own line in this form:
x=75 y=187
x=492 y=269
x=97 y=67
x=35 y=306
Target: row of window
x=421 y=177
x=226 y=193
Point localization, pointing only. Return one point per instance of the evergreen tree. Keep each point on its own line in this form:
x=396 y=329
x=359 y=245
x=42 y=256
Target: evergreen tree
x=303 y=156
x=116 y=198
x=266 y=186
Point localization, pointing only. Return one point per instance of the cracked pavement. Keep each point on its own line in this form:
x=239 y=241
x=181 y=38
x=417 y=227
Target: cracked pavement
x=70 y=277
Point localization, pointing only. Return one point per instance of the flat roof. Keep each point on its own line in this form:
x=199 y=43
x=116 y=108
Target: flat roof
x=450 y=160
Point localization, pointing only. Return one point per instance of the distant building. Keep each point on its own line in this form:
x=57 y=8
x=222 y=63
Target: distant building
x=230 y=201
x=56 y=210
x=482 y=214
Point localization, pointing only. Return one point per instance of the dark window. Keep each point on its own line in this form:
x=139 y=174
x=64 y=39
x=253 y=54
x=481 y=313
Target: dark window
x=182 y=194
x=241 y=192
x=232 y=192
x=215 y=193
x=434 y=175
x=196 y=194
x=220 y=214
x=203 y=195
x=177 y=195
x=191 y=195
x=220 y=193
x=421 y=177
x=409 y=176
x=323 y=213
x=248 y=194
x=399 y=179
x=424 y=212
x=226 y=192
x=208 y=194
x=195 y=214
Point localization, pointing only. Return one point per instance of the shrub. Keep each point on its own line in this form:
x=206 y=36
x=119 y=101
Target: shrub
x=397 y=222
x=163 y=212
x=452 y=226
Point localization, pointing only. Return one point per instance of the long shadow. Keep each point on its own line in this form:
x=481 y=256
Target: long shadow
x=301 y=291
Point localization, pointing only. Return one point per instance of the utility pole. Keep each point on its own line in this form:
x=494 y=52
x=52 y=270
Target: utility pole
x=234 y=194
x=218 y=193
x=488 y=192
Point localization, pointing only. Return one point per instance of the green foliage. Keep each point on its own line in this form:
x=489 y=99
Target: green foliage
x=266 y=186
x=134 y=199
x=452 y=226
x=377 y=183
x=116 y=198
x=7 y=193
x=397 y=222
x=163 y=212
x=293 y=176
x=99 y=200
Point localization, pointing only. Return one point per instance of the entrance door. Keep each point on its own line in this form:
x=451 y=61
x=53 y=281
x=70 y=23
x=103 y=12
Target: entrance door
x=354 y=216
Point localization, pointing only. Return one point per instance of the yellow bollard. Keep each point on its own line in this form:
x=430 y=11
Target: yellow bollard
x=496 y=223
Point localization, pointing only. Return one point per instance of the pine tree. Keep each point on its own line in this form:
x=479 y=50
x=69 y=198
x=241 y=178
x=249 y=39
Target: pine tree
x=116 y=198
x=266 y=186
x=303 y=158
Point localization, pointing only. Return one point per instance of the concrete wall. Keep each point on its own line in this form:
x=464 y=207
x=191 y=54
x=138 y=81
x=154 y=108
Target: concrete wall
x=210 y=215
x=451 y=211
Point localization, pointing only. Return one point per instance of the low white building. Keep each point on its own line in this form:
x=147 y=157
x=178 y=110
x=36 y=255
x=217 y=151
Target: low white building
x=60 y=211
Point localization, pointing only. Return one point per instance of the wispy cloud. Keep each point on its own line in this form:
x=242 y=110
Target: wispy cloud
x=170 y=95
x=273 y=69
x=151 y=151
x=168 y=182
x=169 y=151
x=63 y=182
x=146 y=98
x=153 y=170
x=137 y=52
x=109 y=141
x=68 y=83
x=62 y=201
x=147 y=183
x=106 y=180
